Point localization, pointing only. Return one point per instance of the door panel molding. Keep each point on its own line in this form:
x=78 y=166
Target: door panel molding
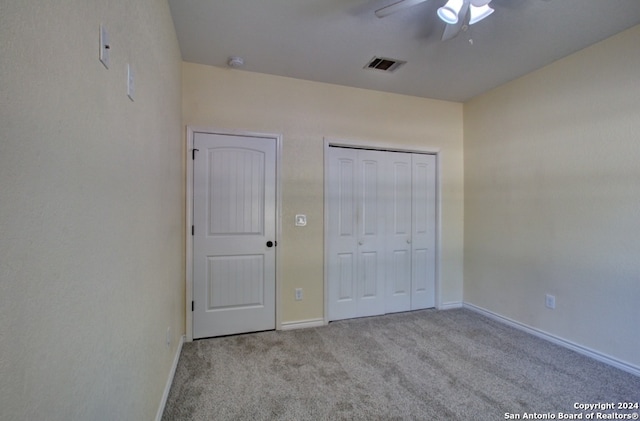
x=191 y=132
x=372 y=145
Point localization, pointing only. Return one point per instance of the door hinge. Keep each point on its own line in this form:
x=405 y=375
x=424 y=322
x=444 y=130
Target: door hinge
x=193 y=153
x=192 y=230
x=192 y=305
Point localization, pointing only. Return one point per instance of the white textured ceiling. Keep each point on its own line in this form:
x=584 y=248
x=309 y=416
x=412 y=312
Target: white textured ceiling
x=332 y=40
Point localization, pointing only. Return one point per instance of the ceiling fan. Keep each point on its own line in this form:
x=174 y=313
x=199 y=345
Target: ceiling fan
x=455 y=13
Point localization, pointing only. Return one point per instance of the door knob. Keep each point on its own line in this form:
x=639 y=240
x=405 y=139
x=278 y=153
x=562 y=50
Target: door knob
x=408 y=241
x=269 y=243
x=361 y=242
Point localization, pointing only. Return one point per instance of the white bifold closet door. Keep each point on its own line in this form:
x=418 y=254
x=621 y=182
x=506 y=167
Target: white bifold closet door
x=356 y=260
x=423 y=229
x=399 y=233
x=381 y=241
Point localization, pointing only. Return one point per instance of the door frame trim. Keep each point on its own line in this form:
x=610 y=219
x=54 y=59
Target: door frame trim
x=392 y=147
x=191 y=131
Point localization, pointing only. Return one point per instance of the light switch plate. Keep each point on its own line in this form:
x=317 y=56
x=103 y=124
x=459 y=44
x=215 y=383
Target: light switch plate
x=131 y=87
x=105 y=46
x=301 y=220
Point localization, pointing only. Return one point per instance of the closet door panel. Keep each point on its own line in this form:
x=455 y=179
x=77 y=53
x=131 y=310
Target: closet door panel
x=423 y=231
x=398 y=238
x=343 y=238
x=371 y=232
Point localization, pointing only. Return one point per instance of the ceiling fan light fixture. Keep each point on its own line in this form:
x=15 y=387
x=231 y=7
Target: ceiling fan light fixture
x=480 y=3
x=449 y=12
x=479 y=13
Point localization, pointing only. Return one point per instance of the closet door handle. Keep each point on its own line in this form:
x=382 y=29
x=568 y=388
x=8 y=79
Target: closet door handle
x=361 y=242
x=408 y=241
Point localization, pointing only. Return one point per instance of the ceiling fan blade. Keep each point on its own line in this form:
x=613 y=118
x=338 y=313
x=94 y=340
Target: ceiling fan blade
x=396 y=7
x=452 y=30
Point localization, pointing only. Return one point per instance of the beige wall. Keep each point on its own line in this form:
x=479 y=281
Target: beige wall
x=91 y=210
x=303 y=113
x=552 y=198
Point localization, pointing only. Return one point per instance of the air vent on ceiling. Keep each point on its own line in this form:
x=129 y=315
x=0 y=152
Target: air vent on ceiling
x=384 y=64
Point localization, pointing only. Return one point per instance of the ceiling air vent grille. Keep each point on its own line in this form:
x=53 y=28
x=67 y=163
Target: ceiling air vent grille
x=384 y=64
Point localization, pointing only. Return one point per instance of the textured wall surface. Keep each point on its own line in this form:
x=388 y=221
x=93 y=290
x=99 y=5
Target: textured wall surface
x=305 y=112
x=91 y=210
x=552 y=198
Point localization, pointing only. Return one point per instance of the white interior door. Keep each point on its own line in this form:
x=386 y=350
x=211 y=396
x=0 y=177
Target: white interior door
x=423 y=236
x=399 y=232
x=234 y=214
x=356 y=257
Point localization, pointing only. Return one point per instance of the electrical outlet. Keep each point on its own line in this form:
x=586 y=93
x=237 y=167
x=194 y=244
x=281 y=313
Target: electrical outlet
x=550 y=301
x=298 y=294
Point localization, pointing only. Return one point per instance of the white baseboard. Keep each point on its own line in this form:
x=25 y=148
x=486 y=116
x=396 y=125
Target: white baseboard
x=450 y=305
x=172 y=373
x=302 y=324
x=622 y=365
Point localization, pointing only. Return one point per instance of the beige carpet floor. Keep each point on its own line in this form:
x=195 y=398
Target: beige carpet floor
x=423 y=365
